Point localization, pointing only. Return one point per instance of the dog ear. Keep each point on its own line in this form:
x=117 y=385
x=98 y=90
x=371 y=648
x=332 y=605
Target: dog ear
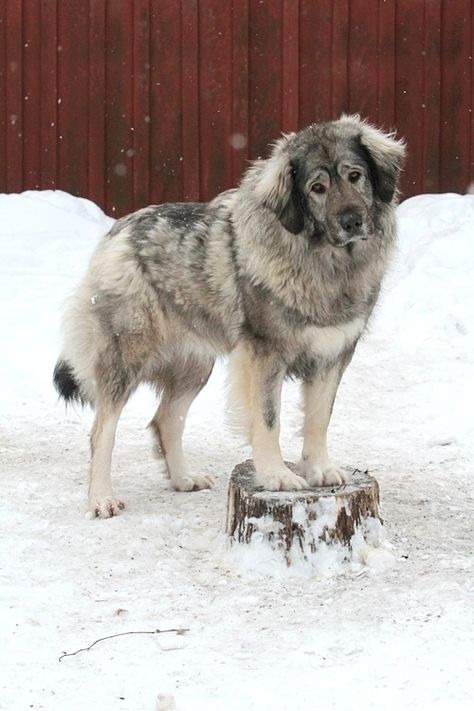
x=292 y=215
x=385 y=157
x=383 y=153
x=276 y=188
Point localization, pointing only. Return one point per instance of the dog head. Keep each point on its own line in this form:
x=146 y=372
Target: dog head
x=331 y=180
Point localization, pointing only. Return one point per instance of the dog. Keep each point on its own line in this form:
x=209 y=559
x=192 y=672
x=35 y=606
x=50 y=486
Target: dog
x=282 y=273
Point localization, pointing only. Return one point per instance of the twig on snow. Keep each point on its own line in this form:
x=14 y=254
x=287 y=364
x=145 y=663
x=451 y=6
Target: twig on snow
x=178 y=630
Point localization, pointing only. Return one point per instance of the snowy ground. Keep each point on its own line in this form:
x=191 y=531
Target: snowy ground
x=397 y=635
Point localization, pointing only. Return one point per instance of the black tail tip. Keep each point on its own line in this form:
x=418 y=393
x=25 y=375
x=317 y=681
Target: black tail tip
x=66 y=384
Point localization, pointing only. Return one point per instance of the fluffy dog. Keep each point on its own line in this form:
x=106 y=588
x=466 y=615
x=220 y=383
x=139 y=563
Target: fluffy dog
x=282 y=273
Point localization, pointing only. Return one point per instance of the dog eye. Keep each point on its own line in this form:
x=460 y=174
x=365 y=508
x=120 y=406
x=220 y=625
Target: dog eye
x=318 y=188
x=354 y=176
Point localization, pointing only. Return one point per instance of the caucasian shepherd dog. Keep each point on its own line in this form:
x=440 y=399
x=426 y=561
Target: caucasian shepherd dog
x=282 y=273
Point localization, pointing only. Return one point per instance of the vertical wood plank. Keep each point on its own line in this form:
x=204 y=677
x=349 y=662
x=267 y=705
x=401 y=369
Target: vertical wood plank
x=240 y=88
x=410 y=88
x=471 y=59
x=290 y=66
x=215 y=97
x=119 y=107
x=385 y=114
x=316 y=72
x=96 y=108
x=3 y=98
x=49 y=94
x=73 y=73
x=166 y=110
x=265 y=75
x=432 y=96
x=14 y=96
x=141 y=104
x=362 y=60
x=190 y=98
x=455 y=95
x=340 y=34
x=32 y=81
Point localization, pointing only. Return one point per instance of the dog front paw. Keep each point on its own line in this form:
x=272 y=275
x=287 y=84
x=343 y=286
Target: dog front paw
x=335 y=476
x=279 y=479
x=312 y=473
x=316 y=475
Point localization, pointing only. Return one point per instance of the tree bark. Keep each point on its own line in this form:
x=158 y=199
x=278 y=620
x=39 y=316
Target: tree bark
x=299 y=518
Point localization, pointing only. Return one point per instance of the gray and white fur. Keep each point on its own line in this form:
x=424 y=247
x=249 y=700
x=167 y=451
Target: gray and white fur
x=281 y=273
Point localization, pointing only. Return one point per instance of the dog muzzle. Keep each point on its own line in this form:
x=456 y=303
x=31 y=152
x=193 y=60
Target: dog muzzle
x=351 y=228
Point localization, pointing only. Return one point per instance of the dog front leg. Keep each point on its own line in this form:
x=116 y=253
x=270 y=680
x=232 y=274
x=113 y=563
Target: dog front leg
x=319 y=394
x=271 y=471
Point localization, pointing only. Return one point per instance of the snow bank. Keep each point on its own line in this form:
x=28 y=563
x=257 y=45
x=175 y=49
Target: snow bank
x=428 y=299
x=49 y=233
x=46 y=239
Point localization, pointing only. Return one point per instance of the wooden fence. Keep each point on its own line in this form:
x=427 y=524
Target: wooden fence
x=129 y=102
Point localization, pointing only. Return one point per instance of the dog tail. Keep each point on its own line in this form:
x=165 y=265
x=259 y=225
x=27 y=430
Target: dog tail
x=66 y=384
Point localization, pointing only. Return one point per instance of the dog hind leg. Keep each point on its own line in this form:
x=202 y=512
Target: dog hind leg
x=168 y=426
x=116 y=377
x=102 y=501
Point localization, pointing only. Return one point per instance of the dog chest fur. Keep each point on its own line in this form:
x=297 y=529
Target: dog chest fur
x=329 y=342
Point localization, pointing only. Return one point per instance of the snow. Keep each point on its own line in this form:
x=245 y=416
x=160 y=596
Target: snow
x=392 y=629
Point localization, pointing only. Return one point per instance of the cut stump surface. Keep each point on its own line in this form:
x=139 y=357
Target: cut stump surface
x=302 y=518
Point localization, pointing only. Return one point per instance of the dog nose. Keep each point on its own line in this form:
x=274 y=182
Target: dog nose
x=351 y=222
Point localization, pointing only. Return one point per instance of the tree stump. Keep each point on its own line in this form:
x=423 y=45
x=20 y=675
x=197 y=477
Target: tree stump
x=304 y=518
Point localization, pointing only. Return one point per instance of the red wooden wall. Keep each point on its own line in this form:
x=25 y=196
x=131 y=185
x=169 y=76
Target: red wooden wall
x=129 y=102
